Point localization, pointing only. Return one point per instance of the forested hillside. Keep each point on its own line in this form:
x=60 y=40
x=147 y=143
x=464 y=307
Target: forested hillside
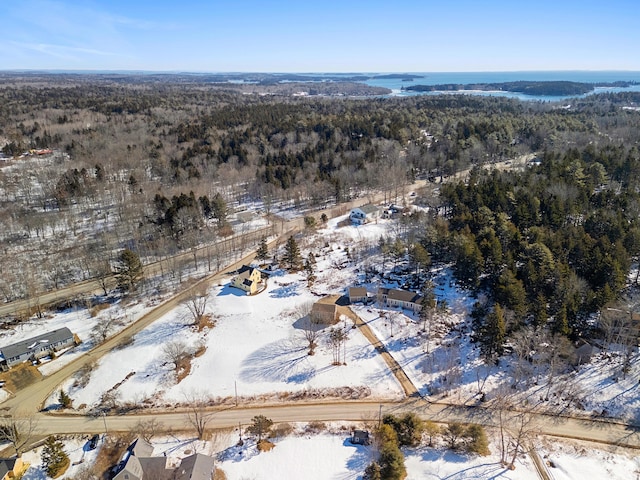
x=157 y=167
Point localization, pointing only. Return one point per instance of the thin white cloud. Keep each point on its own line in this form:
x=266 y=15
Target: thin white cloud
x=62 y=51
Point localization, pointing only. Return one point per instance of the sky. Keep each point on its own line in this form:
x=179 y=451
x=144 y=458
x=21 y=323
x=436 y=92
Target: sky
x=320 y=36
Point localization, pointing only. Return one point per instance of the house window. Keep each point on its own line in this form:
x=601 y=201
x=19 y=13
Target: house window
x=126 y=476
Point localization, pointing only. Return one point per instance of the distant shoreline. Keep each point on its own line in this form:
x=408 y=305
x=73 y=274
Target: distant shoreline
x=540 y=88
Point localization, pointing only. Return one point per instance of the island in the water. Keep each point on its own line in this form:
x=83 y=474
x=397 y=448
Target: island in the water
x=544 y=88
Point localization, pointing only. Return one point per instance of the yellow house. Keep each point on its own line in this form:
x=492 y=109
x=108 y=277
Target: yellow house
x=11 y=468
x=248 y=279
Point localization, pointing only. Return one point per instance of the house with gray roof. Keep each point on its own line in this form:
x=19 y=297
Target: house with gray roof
x=394 y=297
x=138 y=464
x=364 y=214
x=35 y=347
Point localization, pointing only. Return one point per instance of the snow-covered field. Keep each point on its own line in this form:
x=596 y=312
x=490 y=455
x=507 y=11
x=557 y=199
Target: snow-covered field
x=256 y=346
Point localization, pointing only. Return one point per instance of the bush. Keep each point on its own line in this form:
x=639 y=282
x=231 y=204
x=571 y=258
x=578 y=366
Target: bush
x=265 y=445
x=408 y=428
x=282 y=430
x=477 y=440
x=315 y=427
x=372 y=472
x=453 y=434
x=309 y=221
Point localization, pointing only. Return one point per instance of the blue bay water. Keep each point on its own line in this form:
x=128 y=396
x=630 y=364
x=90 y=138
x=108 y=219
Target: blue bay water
x=439 y=78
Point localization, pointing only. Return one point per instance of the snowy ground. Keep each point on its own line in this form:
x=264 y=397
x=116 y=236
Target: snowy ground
x=328 y=455
x=257 y=347
x=77 y=448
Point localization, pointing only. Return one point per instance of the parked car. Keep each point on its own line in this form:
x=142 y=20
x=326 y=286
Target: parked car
x=93 y=443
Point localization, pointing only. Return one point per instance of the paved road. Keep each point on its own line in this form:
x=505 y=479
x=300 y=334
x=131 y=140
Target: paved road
x=356 y=411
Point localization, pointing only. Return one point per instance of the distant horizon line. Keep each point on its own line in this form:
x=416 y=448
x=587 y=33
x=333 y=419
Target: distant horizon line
x=245 y=72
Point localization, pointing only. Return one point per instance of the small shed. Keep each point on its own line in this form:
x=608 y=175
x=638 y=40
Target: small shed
x=360 y=437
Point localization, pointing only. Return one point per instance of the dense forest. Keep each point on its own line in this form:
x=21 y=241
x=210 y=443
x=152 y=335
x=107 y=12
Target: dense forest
x=157 y=166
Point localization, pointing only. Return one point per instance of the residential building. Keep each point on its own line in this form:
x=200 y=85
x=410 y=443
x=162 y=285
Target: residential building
x=398 y=298
x=12 y=468
x=357 y=294
x=247 y=279
x=324 y=312
x=138 y=464
x=35 y=347
x=365 y=214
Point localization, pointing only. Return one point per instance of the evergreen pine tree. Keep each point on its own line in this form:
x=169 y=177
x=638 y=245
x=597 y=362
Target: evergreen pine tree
x=309 y=268
x=54 y=458
x=263 y=252
x=561 y=323
x=372 y=472
x=478 y=442
x=129 y=270
x=493 y=333
x=292 y=257
x=64 y=399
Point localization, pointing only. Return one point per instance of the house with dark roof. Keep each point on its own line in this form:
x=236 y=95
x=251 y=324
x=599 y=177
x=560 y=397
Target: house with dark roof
x=138 y=464
x=247 y=279
x=394 y=297
x=35 y=347
x=11 y=468
x=360 y=437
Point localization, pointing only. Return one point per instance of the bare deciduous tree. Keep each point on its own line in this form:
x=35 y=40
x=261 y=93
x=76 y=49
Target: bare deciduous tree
x=197 y=414
x=174 y=351
x=310 y=329
x=18 y=430
x=147 y=429
x=196 y=304
x=515 y=427
x=103 y=328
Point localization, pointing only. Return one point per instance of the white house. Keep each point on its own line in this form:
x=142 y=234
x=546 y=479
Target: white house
x=364 y=214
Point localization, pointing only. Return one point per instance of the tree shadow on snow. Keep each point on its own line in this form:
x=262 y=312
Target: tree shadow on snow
x=280 y=361
x=285 y=291
x=358 y=461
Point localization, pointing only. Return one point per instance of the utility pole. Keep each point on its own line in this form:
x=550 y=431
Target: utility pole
x=104 y=419
x=235 y=384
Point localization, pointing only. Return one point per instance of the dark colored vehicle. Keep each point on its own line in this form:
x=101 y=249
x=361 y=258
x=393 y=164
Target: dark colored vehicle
x=93 y=443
